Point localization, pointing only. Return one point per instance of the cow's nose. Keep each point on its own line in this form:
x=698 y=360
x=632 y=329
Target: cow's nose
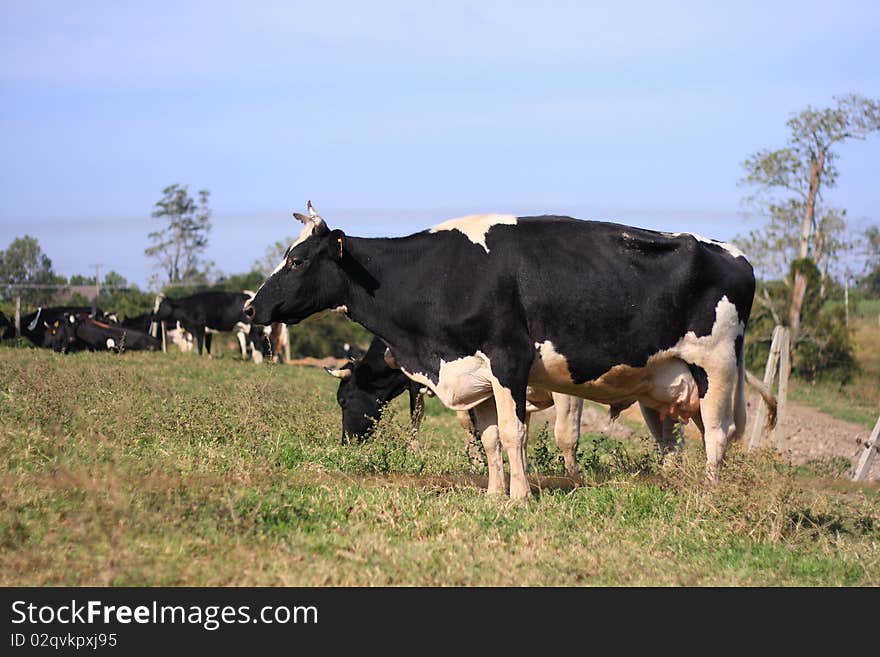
x=248 y=309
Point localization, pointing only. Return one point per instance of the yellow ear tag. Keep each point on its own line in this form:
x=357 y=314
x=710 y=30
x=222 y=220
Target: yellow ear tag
x=339 y=242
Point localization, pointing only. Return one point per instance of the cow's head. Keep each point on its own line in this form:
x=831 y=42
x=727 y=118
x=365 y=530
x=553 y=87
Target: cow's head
x=307 y=280
x=362 y=395
x=60 y=335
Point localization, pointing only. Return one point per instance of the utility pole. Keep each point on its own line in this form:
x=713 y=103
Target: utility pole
x=97 y=288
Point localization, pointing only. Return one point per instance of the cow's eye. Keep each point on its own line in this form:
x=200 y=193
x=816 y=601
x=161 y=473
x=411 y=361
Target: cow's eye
x=296 y=263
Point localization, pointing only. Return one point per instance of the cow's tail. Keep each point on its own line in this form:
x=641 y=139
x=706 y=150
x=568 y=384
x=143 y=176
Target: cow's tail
x=767 y=395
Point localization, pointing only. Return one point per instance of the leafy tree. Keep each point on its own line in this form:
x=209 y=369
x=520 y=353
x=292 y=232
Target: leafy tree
x=178 y=246
x=114 y=279
x=789 y=182
x=23 y=262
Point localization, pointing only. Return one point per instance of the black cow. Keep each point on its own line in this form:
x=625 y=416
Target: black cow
x=204 y=313
x=72 y=333
x=479 y=308
x=35 y=326
x=142 y=323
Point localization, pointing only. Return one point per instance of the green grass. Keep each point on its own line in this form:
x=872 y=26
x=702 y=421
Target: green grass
x=151 y=469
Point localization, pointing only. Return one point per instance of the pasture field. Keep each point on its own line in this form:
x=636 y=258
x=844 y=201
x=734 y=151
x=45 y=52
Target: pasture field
x=859 y=400
x=167 y=469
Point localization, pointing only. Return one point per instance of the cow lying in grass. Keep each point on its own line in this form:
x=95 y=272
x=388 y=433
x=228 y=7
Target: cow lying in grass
x=74 y=333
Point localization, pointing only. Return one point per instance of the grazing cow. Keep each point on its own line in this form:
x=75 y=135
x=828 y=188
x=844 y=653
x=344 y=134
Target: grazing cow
x=36 y=326
x=479 y=308
x=205 y=313
x=367 y=384
x=272 y=342
x=72 y=333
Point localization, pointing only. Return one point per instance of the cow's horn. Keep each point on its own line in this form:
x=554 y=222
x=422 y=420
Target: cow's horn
x=339 y=374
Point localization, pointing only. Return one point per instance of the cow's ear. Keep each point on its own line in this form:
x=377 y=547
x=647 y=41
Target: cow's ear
x=336 y=244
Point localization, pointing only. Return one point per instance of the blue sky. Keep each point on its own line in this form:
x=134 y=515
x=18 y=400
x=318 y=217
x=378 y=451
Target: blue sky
x=392 y=116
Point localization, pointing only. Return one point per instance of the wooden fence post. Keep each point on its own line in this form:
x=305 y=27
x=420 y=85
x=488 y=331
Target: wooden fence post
x=784 y=371
x=769 y=375
x=871 y=446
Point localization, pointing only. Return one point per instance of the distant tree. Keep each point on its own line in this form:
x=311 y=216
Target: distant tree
x=114 y=279
x=178 y=246
x=23 y=262
x=79 y=279
x=871 y=280
x=801 y=233
x=240 y=282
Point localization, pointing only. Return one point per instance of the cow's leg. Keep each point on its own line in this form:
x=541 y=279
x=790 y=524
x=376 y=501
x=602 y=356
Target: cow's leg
x=567 y=429
x=739 y=402
x=717 y=410
x=468 y=422
x=653 y=421
x=525 y=442
x=208 y=338
x=200 y=339
x=243 y=344
x=511 y=406
x=486 y=417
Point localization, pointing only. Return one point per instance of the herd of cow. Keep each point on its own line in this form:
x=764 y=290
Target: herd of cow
x=498 y=316
x=189 y=322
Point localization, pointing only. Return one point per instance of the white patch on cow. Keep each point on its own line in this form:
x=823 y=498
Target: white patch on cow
x=111 y=343
x=181 y=337
x=340 y=309
x=208 y=329
x=467 y=382
x=475 y=226
x=732 y=249
x=462 y=383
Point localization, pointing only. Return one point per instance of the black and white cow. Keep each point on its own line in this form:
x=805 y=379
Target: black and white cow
x=73 y=333
x=481 y=307
x=36 y=326
x=205 y=313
